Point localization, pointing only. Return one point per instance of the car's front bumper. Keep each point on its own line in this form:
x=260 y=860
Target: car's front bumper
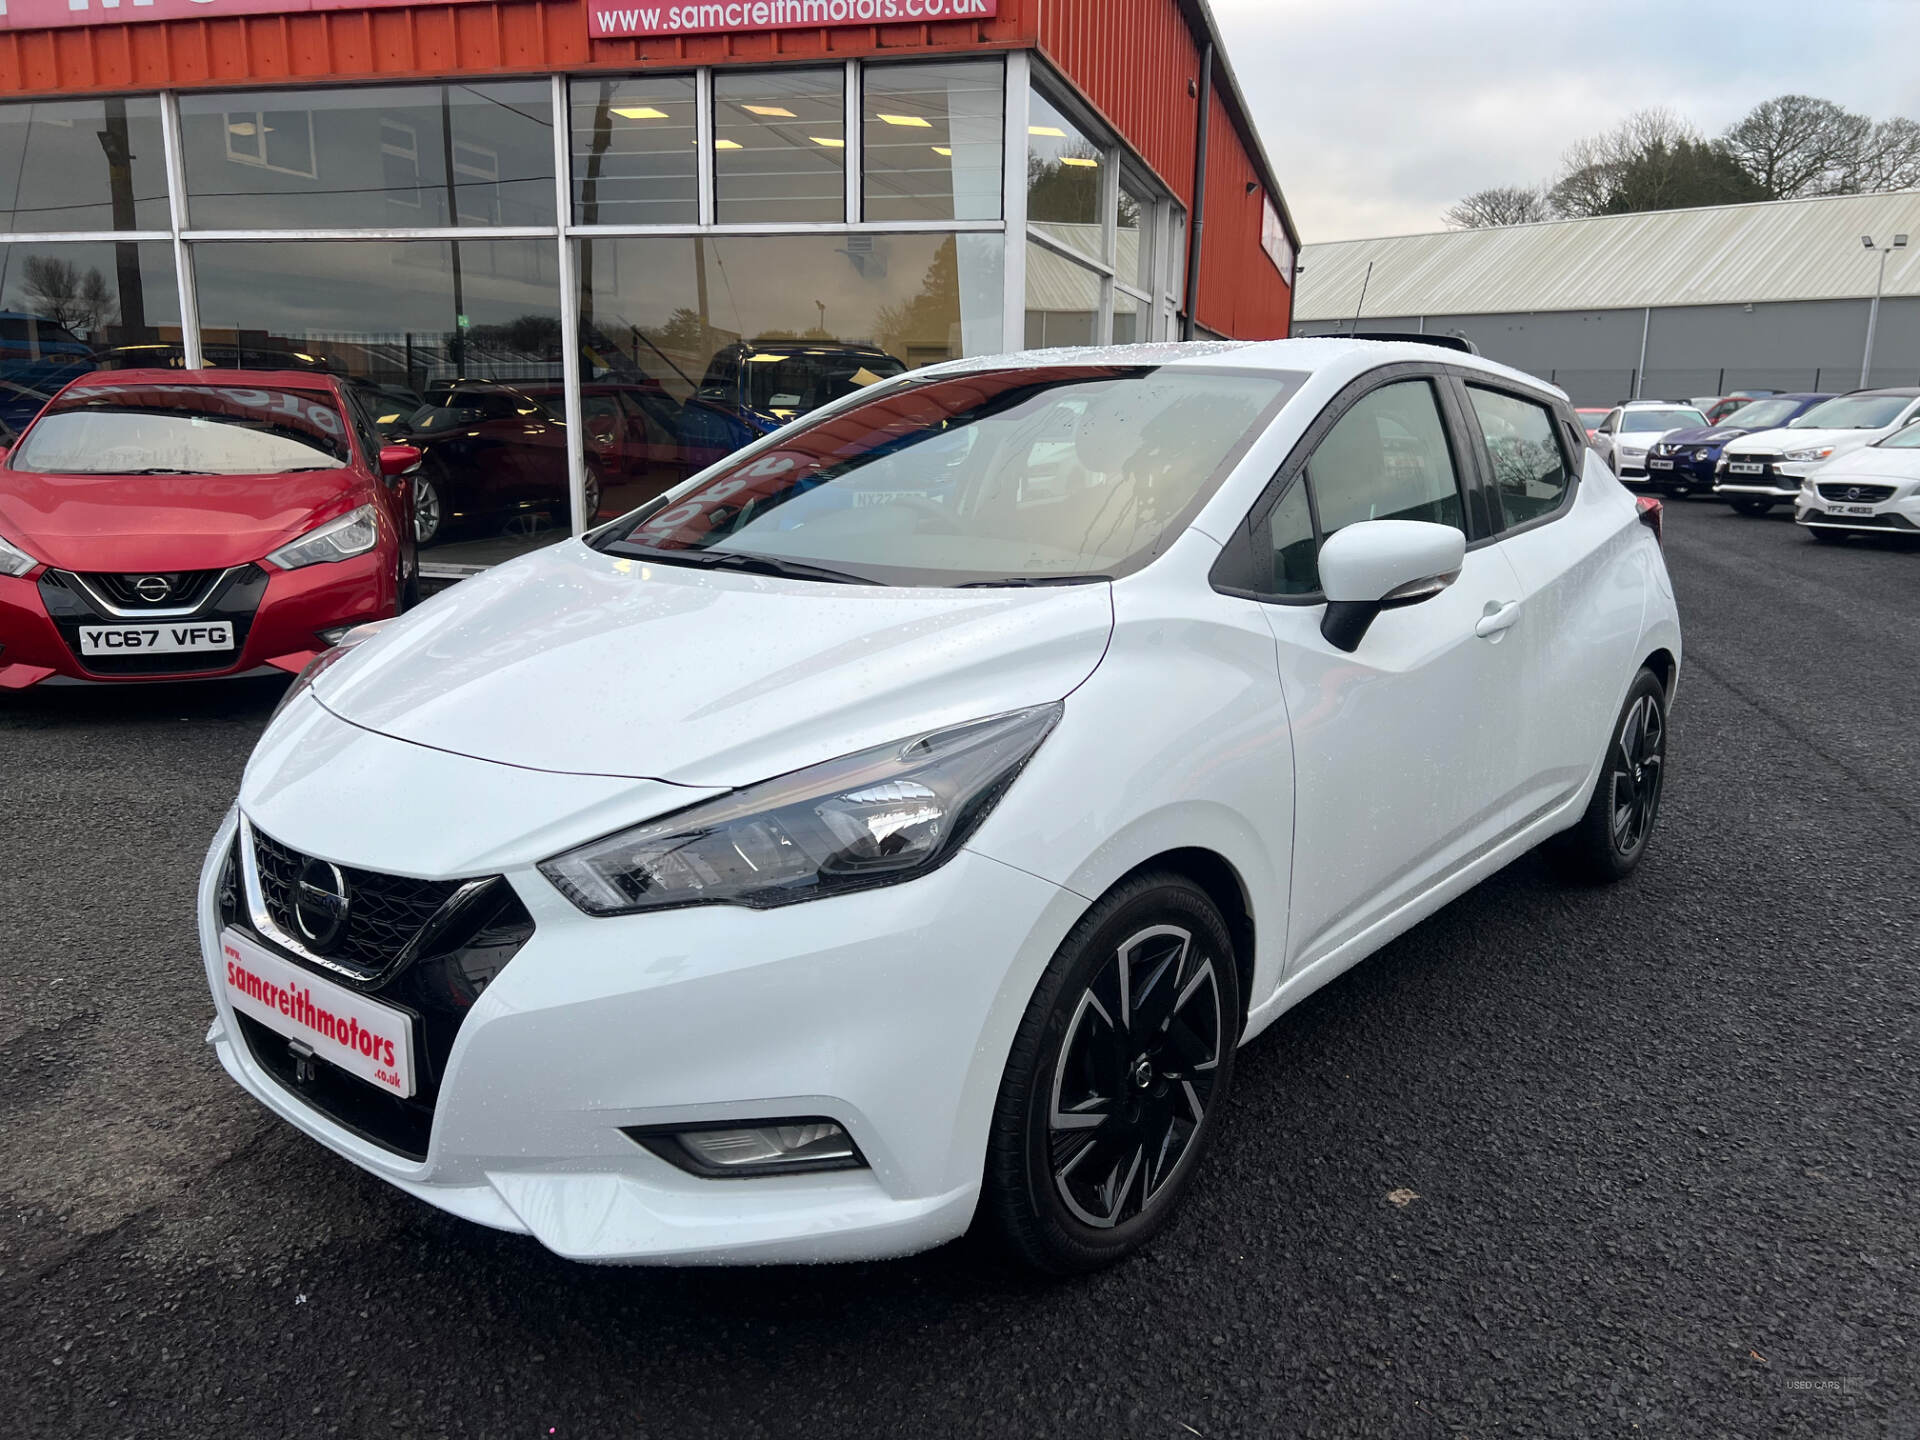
x=284 y=626
x=1680 y=470
x=1896 y=515
x=1778 y=480
x=890 y=1012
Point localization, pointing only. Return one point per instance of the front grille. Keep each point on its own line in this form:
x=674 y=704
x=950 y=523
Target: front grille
x=1855 y=494
x=388 y=912
x=233 y=595
x=185 y=589
x=460 y=953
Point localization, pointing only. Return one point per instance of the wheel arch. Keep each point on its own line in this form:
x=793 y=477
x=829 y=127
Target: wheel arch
x=1666 y=668
x=1223 y=884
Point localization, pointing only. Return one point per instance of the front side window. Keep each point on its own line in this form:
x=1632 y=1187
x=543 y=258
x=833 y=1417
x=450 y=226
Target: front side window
x=185 y=430
x=1529 y=468
x=1002 y=476
x=1386 y=459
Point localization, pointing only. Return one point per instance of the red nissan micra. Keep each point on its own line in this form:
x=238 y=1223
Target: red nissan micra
x=188 y=524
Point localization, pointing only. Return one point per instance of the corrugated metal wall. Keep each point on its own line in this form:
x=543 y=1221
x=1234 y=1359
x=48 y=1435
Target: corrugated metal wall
x=503 y=37
x=1133 y=60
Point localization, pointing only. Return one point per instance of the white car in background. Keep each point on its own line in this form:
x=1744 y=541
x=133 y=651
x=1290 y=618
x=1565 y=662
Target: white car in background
x=1630 y=430
x=1874 y=490
x=905 y=820
x=1758 y=471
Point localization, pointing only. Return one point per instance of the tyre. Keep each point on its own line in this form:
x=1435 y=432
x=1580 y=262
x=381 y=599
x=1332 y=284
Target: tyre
x=409 y=586
x=429 y=507
x=1827 y=537
x=1747 y=506
x=1114 y=1087
x=1678 y=489
x=590 y=498
x=1612 y=836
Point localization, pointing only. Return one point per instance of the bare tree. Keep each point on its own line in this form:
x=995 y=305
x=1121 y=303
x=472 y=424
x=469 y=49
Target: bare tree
x=1797 y=145
x=1888 y=159
x=1502 y=205
x=58 y=290
x=1597 y=172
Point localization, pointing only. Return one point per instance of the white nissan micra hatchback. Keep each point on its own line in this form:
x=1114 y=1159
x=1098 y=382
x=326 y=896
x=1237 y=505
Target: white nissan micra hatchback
x=899 y=825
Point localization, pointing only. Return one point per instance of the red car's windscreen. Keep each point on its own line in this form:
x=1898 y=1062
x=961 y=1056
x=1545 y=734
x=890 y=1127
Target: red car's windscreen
x=162 y=429
x=999 y=476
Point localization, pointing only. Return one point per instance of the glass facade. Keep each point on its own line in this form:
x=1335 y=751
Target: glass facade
x=567 y=325
x=395 y=155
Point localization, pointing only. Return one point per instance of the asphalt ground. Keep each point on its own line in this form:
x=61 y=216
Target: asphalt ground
x=1663 y=1138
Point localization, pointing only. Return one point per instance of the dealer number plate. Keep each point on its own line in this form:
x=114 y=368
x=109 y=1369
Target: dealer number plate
x=156 y=639
x=1745 y=467
x=343 y=1027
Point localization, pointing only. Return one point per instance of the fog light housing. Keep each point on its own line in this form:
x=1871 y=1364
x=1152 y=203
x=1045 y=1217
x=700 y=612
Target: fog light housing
x=761 y=1147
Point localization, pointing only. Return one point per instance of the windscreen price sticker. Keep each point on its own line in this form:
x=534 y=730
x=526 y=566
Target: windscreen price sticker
x=155 y=639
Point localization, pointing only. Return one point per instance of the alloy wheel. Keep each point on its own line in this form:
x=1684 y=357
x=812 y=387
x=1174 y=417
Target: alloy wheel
x=1638 y=765
x=1135 y=1075
x=426 y=510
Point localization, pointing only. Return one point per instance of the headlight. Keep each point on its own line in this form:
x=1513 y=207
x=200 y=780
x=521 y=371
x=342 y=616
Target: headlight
x=14 y=560
x=1703 y=453
x=875 y=818
x=325 y=660
x=341 y=539
x=1819 y=452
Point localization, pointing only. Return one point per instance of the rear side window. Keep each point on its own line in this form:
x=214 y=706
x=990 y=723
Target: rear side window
x=1529 y=468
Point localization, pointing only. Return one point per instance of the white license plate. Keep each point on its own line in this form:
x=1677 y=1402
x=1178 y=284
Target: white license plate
x=1745 y=467
x=180 y=639
x=1659 y=464
x=1851 y=509
x=361 y=1036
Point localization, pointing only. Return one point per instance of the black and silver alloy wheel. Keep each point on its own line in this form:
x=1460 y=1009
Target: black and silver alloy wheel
x=1135 y=1075
x=1636 y=766
x=1113 y=1088
x=428 y=514
x=1612 y=835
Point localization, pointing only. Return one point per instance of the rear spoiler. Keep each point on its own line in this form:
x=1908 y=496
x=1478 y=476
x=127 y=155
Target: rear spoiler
x=1408 y=337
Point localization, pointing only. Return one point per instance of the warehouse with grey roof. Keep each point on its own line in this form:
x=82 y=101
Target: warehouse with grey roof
x=1672 y=303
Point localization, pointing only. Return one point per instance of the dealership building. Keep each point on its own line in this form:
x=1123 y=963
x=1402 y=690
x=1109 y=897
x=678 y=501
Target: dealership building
x=589 y=248
x=1796 y=295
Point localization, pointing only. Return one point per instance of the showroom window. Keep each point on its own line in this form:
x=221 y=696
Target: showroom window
x=780 y=147
x=636 y=157
x=474 y=154
x=730 y=336
x=932 y=140
x=82 y=165
x=69 y=308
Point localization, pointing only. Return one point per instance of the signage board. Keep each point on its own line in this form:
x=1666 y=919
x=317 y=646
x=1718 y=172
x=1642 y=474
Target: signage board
x=609 y=21
x=57 y=14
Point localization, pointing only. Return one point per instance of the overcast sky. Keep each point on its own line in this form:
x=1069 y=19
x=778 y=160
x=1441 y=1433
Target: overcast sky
x=1378 y=114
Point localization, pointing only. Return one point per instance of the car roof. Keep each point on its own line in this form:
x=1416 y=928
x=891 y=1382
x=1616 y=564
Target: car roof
x=293 y=379
x=1311 y=354
x=1906 y=391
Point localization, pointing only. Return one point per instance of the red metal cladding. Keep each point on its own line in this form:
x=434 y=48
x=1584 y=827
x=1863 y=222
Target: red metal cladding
x=492 y=37
x=1242 y=292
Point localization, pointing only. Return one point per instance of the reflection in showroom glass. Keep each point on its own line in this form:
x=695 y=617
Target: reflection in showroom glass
x=82 y=165
x=693 y=347
x=450 y=346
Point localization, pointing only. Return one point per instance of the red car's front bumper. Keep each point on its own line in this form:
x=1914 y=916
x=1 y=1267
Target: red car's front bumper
x=277 y=617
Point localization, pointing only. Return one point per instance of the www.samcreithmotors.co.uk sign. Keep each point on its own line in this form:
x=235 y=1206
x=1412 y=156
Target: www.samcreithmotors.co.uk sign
x=614 y=21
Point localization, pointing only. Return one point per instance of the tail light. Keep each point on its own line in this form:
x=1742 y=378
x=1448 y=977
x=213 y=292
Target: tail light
x=1652 y=516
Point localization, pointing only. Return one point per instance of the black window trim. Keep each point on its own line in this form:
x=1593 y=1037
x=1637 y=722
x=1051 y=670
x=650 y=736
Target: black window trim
x=1241 y=554
x=1557 y=411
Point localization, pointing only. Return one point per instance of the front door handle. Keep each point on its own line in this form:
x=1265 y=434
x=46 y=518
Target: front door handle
x=1497 y=619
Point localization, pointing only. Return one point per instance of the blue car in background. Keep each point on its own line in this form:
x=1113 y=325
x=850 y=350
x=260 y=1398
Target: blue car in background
x=1681 y=464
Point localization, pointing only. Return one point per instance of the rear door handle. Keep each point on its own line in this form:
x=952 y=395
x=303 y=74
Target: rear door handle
x=1498 y=618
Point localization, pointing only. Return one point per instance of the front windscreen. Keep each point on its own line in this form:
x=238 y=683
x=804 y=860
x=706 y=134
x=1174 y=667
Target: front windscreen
x=1636 y=422
x=789 y=383
x=161 y=429
x=1907 y=439
x=1001 y=476
x=1762 y=415
x=1854 y=412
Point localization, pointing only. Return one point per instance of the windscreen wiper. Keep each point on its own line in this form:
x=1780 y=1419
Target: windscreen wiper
x=1030 y=582
x=741 y=560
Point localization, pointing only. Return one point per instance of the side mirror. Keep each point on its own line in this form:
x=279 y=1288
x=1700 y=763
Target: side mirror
x=397 y=460
x=1377 y=565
